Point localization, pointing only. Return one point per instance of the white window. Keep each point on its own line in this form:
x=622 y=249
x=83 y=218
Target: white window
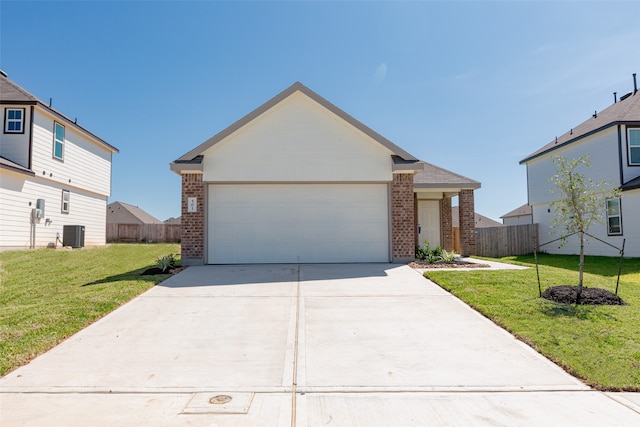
x=58 y=140
x=14 y=120
x=65 y=201
x=614 y=218
x=634 y=147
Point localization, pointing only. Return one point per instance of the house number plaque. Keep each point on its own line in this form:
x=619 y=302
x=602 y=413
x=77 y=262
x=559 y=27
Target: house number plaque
x=192 y=204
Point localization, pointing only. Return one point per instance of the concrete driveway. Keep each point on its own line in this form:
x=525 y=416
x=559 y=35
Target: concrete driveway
x=300 y=345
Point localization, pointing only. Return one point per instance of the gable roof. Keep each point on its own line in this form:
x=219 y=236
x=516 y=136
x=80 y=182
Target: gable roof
x=187 y=160
x=432 y=176
x=119 y=213
x=13 y=166
x=631 y=185
x=625 y=111
x=522 y=210
x=11 y=93
x=480 y=221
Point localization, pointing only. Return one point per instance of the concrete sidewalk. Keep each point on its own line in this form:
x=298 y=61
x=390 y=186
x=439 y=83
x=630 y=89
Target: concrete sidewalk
x=300 y=345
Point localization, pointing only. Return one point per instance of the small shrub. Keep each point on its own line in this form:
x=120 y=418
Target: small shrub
x=448 y=257
x=167 y=262
x=422 y=252
x=438 y=254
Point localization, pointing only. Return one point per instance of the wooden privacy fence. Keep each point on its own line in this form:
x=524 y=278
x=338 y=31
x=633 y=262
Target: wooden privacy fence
x=157 y=233
x=505 y=241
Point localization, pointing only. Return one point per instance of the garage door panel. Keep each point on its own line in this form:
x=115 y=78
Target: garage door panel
x=281 y=223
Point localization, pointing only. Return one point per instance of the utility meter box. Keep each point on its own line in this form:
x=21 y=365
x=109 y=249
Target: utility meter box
x=73 y=235
x=39 y=213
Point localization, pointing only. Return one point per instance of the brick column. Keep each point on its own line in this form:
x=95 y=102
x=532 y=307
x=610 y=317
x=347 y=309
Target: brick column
x=402 y=218
x=192 y=223
x=446 y=223
x=467 y=223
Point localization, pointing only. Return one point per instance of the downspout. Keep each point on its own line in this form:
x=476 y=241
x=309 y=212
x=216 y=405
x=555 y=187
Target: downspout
x=620 y=155
x=31 y=111
x=528 y=200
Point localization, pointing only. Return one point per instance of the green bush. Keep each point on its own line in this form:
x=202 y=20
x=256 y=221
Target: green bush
x=165 y=263
x=438 y=254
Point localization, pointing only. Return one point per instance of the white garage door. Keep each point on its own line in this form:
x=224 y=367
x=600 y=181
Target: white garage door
x=292 y=223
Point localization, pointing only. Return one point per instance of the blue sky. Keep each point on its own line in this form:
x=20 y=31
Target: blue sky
x=470 y=86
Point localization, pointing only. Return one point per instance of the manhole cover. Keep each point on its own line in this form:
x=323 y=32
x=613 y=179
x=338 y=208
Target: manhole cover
x=220 y=399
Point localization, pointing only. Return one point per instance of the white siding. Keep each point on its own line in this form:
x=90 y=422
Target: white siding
x=631 y=222
x=603 y=155
x=605 y=165
x=86 y=165
x=297 y=141
x=572 y=246
x=18 y=190
x=15 y=146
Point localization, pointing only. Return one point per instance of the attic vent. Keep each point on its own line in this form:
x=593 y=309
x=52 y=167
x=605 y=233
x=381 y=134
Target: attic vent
x=3 y=73
x=625 y=96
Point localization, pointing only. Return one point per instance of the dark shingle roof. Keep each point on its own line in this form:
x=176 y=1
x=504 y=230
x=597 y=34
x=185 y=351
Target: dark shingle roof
x=8 y=164
x=435 y=176
x=631 y=185
x=11 y=93
x=625 y=111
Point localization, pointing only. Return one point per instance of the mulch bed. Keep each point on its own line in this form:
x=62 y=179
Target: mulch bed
x=420 y=263
x=566 y=294
x=156 y=270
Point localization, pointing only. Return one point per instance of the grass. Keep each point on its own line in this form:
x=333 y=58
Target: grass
x=599 y=344
x=48 y=295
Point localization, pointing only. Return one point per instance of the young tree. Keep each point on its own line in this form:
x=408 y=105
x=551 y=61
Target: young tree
x=582 y=201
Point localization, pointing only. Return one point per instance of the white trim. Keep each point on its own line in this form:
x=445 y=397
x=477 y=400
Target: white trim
x=7 y=120
x=629 y=146
x=67 y=201
x=609 y=216
x=57 y=141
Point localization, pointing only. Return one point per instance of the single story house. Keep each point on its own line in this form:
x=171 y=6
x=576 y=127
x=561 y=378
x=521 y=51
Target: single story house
x=519 y=216
x=124 y=213
x=298 y=180
x=481 y=221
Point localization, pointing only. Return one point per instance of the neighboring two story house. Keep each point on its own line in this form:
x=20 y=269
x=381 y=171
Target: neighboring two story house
x=612 y=140
x=53 y=173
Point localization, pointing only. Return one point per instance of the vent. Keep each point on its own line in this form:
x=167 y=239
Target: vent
x=625 y=96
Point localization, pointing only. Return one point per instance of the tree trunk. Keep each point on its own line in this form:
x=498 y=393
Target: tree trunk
x=579 y=293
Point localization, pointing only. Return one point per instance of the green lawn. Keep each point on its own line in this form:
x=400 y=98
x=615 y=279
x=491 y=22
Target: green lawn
x=599 y=344
x=48 y=295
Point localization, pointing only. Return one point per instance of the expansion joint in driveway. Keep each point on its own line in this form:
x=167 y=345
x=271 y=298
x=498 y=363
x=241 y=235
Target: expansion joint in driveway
x=294 y=382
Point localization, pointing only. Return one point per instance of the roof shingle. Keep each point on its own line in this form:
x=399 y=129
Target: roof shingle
x=624 y=111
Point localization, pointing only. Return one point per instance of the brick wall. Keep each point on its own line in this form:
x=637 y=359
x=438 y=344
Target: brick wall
x=446 y=223
x=192 y=234
x=467 y=223
x=402 y=218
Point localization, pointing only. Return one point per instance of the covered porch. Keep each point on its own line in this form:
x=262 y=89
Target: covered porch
x=434 y=188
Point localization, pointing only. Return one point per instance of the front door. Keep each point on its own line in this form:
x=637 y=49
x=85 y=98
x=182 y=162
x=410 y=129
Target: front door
x=429 y=222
